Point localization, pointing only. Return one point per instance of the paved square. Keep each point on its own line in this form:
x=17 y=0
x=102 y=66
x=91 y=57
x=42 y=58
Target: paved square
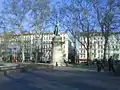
x=60 y=80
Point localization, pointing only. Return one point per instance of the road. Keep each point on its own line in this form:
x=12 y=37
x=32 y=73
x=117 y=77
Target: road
x=60 y=80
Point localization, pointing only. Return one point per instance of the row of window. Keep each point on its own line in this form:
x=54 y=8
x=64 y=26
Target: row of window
x=102 y=46
x=50 y=37
x=83 y=56
x=84 y=51
x=97 y=38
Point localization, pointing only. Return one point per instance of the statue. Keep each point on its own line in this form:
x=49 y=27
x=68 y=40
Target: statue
x=56 y=31
x=57 y=55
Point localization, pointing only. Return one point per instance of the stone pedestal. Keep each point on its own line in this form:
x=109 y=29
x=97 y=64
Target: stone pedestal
x=57 y=55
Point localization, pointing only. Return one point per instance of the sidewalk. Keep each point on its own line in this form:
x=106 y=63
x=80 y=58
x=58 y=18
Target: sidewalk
x=75 y=69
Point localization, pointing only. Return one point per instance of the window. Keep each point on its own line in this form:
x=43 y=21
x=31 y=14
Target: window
x=98 y=51
x=116 y=47
x=84 y=55
x=50 y=45
x=46 y=37
x=43 y=37
x=113 y=47
x=101 y=47
x=64 y=39
x=94 y=55
x=98 y=46
x=98 y=43
x=14 y=48
x=101 y=51
x=84 y=51
x=81 y=46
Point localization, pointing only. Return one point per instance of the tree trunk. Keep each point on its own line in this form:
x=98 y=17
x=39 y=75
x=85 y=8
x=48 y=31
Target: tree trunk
x=105 y=46
x=23 y=53
x=74 y=61
x=88 y=54
x=74 y=51
x=41 y=46
x=22 y=43
x=31 y=53
x=36 y=57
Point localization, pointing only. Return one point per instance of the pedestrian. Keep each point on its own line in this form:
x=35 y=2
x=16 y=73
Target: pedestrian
x=65 y=60
x=102 y=64
x=98 y=63
x=56 y=64
x=10 y=58
x=110 y=64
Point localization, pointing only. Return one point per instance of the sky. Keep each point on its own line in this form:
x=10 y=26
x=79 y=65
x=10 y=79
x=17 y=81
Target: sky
x=1 y=4
x=53 y=4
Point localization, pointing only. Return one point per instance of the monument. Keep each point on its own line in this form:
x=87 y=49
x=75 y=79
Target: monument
x=57 y=55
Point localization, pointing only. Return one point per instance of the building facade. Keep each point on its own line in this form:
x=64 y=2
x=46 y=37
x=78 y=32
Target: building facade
x=96 y=46
x=36 y=46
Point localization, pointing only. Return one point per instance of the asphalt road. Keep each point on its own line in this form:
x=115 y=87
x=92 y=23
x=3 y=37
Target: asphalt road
x=60 y=80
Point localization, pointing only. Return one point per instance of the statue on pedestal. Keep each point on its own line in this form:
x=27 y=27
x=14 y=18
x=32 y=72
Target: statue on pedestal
x=57 y=55
x=56 y=31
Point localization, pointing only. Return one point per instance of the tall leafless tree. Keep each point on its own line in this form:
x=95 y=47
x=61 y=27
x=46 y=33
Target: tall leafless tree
x=79 y=21
x=16 y=13
x=108 y=17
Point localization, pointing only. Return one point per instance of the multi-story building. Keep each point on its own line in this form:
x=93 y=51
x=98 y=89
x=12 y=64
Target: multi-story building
x=36 y=46
x=44 y=44
x=96 y=46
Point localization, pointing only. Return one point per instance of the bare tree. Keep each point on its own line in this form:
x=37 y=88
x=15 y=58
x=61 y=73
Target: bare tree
x=40 y=15
x=108 y=19
x=80 y=23
x=16 y=13
x=6 y=40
